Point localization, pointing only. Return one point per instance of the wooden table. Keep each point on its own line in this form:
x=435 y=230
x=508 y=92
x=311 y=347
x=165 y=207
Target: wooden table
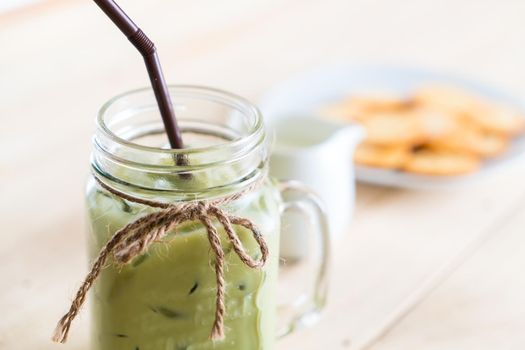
x=417 y=270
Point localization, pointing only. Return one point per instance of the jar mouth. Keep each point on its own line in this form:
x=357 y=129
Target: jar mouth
x=214 y=94
x=224 y=134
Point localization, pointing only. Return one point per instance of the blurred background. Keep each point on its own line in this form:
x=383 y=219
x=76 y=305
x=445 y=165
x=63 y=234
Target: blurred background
x=421 y=269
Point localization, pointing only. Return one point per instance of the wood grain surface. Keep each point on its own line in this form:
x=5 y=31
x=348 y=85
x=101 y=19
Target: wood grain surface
x=417 y=270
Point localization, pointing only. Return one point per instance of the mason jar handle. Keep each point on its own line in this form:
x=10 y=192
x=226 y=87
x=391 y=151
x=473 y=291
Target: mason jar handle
x=305 y=309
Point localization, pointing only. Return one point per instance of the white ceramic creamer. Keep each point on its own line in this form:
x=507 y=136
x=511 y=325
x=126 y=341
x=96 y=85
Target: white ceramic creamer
x=318 y=153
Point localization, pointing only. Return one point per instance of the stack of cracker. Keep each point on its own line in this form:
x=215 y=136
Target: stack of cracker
x=436 y=131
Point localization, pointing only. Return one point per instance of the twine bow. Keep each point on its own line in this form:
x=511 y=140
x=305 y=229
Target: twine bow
x=134 y=239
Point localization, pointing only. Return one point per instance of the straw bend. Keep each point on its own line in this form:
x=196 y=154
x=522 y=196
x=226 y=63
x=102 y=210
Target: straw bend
x=145 y=46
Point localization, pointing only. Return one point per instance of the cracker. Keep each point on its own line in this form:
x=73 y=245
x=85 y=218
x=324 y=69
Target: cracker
x=436 y=124
x=447 y=98
x=498 y=119
x=358 y=107
x=390 y=128
x=389 y=157
x=472 y=141
x=429 y=162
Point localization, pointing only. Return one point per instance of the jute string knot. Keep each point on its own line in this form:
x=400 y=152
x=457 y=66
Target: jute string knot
x=135 y=238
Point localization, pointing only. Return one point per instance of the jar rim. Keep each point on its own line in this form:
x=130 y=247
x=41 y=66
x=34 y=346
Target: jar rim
x=229 y=98
x=239 y=157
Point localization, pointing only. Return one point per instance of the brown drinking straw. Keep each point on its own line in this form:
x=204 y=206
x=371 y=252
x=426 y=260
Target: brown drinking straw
x=147 y=49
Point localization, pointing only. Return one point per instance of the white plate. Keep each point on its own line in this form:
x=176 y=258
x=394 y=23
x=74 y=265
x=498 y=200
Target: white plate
x=305 y=94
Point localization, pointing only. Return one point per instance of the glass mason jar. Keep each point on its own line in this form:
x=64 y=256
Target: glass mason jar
x=165 y=299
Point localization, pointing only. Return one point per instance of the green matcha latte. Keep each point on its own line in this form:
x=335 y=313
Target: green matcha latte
x=165 y=299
